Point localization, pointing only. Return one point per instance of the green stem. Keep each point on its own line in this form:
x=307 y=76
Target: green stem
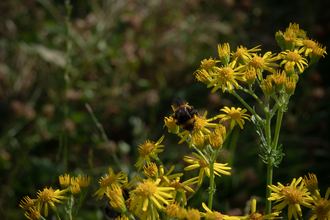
x=251 y=92
x=57 y=215
x=104 y=136
x=278 y=127
x=247 y=106
x=269 y=183
x=212 y=187
x=129 y=215
x=152 y=212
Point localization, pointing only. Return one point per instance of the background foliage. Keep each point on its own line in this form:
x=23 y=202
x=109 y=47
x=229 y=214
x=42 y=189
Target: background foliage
x=128 y=60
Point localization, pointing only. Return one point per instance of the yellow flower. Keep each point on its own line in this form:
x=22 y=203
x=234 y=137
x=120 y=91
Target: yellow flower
x=107 y=181
x=182 y=213
x=48 y=197
x=202 y=75
x=243 y=55
x=209 y=65
x=117 y=200
x=307 y=45
x=34 y=214
x=266 y=62
x=267 y=85
x=172 y=209
x=64 y=181
x=83 y=180
x=209 y=215
x=318 y=52
x=170 y=123
x=75 y=188
x=290 y=85
x=226 y=77
x=224 y=53
x=292 y=195
x=150 y=170
x=216 y=137
x=235 y=115
x=180 y=187
x=200 y=128
x=294 y=57
x=147 y=150
x=257 y=216
x=147 y=192
x=27 y=204
x=250 y=75
x=311 y=182
x=193 y=214
x=321 y=207
x=199 y=162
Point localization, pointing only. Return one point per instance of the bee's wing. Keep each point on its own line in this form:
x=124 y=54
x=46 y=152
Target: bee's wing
x=177 y=102
x=97 y=201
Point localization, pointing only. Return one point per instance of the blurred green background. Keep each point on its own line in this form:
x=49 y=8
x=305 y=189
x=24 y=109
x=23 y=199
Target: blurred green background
x=128 y=60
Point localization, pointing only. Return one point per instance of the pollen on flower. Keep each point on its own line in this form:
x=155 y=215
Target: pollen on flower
x=234 y=114
x=147 y=188
x=34 y=214
x=293 y=56
x=172 y=209
x=322 y=209
x=218 y=215
x=255 y=216
x=46 y=194
x=208 y=64
x=292 y=195
x=193 y=214
x=175 y=184
x=257 y=62
x=146 y=148
x=200 y=122
x=226 y=73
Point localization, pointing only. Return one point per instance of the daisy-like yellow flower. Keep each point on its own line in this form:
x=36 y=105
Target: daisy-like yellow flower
x=226 y=77
x=294 y=57
x=149 y=149
x=193 y=214
x=75 y=188
x=117 y=200
x=34 y=214
x=83 y=180
x=48 y=197
x=290 y=85
x=250 y=75
x=113 y=179
x=214 y=215
x=291 y=195
x=151 y=170
x=260 y=63
x=172 y=209
x=64 y=181
x=200 y=128
x=257 y=216
x=180 y=187
x=243 y=55
x=150 y=191
x=182 y=213
x=307 y=45
x=216 y=137
x=203 y=76
x=318 y=52
x=170 y=123
x=224 y=53
x=27 y=203
x=199 y=162
x=311 y=182
x=235 y=115
x=209 y=65
x=321 y=207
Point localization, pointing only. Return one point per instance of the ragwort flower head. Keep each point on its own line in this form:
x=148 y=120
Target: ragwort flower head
x=224 y=53
x=34 y=214
x=261 y=63
x=291 y=195
x=243 y=55
x=182 y=187
x=321 y=207
x=150 y=191
x=294 y=57
x=199 y=162
x=147 y=150
x=27 y=203
x=107 y=181
x=226 y=78
x=236 y=116
x=306 y=44
x=48 y=197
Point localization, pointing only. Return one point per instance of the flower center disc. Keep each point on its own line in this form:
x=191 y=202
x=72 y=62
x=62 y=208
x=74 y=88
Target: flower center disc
x=257 y=62
x=234 y=114
x=294 y=56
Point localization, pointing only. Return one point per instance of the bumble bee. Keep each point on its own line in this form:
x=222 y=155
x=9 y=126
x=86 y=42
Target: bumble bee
x=184 y=114
x=109 y=211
